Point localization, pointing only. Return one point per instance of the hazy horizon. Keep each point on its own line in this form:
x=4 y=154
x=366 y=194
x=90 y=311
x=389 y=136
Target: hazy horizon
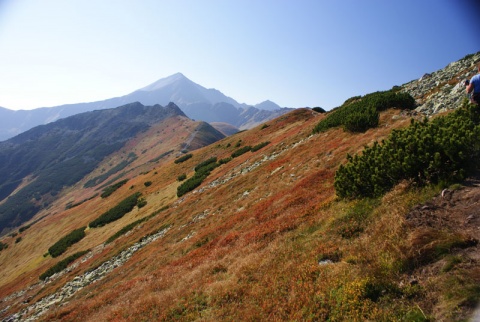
x=296 y=54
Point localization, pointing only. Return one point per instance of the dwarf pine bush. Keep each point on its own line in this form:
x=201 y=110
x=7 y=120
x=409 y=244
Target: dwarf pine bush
x=111 y=189
x=358 y=114
x=60 y=266
x=117 y=212
x=440 y=151
x=62 y=245
x=200 y=174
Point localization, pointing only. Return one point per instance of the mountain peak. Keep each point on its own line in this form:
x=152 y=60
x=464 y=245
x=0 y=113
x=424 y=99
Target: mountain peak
x=163 y=82
x=268 y=106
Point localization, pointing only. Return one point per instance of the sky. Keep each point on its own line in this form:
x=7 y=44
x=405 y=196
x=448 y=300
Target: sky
x=296 y=53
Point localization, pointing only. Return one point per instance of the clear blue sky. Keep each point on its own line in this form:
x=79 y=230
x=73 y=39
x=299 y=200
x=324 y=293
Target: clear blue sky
x=296 y=53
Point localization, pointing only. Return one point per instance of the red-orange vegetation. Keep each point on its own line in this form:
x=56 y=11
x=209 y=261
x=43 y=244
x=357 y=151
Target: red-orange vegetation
x=245 y=249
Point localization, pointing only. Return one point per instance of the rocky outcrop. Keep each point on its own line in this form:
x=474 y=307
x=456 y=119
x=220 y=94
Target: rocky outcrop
x=444 y=89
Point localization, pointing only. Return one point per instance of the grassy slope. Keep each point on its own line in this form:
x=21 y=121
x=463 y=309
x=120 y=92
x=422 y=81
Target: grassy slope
x=255 y=254
x=20 y=259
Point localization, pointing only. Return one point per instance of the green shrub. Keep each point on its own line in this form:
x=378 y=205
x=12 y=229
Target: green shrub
x=241 y=151
x=205 y=163
x=362 y=120
x=71 y=205
x=117 y=212
x=190 y=184
x=147 y=183
x=3 y=246
x=23 y=228
x=111 y=189
x=442 y=151
x=319 y=109
x=224 y=160
x=60 y=266
x=132 y=225
x=259 y=146
x=19 y=239
x=61 y=246
x=358 y=114
x=142 y=202
x=183 y=158
x=125 y=229
x=161 y=156
x=182 y=177
x=201 y=173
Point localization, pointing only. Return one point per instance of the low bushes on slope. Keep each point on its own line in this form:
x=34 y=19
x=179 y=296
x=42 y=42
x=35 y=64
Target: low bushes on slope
x=117 y=212
x=358 y=114
x=202 y=171
x=111 y=189
x=440 y=151
x=132 y=225
x=60 y=266
x=205 y=163
x=183 y=158
x=259 y=146
x=241 y=151
x=62 y=245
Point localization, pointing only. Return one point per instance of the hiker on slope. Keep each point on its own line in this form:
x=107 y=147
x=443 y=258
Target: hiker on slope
x=473 y=87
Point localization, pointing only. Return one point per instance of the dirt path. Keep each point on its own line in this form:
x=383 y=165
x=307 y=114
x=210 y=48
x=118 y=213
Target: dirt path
x=444 y=239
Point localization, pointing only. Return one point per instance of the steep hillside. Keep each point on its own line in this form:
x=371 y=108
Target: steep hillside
x=38 y=164
x=262 y=237
x=225 y=128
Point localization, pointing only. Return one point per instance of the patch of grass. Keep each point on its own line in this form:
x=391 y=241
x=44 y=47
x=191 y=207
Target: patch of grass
x=429 y=245
x=451 y=262
x=354 y=220
x=461 y=290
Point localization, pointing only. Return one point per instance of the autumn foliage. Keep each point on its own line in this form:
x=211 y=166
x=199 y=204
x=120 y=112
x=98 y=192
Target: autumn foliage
x=443 y=151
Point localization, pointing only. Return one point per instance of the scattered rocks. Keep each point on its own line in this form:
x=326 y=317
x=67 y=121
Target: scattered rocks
x=444 y=89
x=325 y=262
x=246 y=168
x=69 y=289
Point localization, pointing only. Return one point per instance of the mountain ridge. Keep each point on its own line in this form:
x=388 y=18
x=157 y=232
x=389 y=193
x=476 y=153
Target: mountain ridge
x=61 y=153
x=195 y=100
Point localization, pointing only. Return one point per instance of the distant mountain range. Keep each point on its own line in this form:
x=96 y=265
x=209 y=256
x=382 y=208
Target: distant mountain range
x=37 y=164
x=197 y=102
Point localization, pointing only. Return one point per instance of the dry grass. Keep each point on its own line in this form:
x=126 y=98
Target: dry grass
x=254 y=254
